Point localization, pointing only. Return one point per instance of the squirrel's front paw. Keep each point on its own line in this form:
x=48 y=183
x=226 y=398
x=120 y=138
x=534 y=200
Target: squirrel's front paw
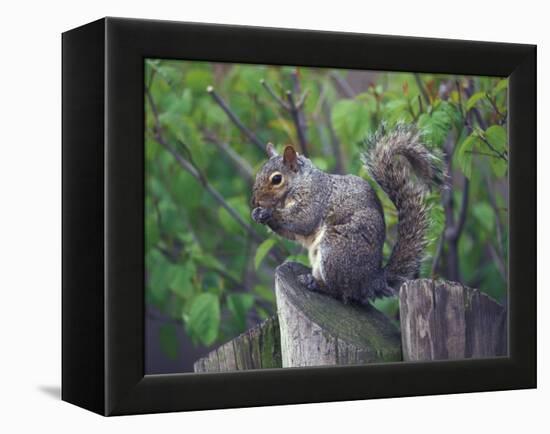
x=262 y=215
x=309 y=282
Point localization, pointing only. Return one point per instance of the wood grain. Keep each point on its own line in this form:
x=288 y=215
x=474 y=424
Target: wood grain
x=319 y=330
x=446 y=320
x=257 y=348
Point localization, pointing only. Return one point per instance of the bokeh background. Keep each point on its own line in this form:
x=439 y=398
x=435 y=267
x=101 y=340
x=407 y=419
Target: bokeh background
x=209 y=267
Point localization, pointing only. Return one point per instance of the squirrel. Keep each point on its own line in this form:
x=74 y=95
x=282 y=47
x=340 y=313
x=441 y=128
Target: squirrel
x=340 y=219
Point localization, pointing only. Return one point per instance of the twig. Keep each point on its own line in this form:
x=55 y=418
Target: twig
x=296 y=118
x=499 y=227
x=235 y=119
x=492 y=148
x=294 y=108
x=240 y=163
x=213 y=192
x=494 y=105
x=461 y=108
x=343 y=85
x=186 y=165
x=486 y=154
x=498 y=261
x=456 y=230
x=274 y=95
x=438 y=252
x=335 y=143
x=420 y=106
x=453 y=229
x=479 y=118
x=422 y=89
x=483 y=126
x=299 y=104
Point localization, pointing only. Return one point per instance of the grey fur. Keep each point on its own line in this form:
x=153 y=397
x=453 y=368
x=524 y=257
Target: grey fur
x=341 y=220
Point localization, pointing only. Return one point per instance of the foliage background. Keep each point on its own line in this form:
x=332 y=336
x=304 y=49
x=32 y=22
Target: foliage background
x=209 y=269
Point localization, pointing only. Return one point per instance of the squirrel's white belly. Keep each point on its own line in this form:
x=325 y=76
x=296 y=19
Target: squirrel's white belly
x=312 y=243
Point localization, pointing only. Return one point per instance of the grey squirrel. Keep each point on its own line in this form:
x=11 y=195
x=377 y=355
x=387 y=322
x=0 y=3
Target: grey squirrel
x=340 y=219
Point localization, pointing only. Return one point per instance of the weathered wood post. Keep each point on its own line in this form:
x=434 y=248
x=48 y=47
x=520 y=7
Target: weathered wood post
x=257 y=348
x=446 y=320
x=309 y=329
x=440 y=320
x=319 y=330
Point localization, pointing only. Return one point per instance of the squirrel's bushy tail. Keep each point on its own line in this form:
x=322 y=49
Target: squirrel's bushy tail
x=392 y=159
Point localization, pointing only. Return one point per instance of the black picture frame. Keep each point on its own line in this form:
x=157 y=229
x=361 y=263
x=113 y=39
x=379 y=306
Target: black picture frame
x=103 y=224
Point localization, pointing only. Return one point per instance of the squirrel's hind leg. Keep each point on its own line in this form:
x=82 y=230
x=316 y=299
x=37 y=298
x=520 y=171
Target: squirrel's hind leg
x=312 y=284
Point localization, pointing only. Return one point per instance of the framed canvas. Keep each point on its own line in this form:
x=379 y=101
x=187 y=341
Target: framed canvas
x=257 y=216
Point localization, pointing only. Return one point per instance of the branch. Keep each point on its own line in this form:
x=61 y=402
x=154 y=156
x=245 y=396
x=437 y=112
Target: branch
x=456 y=230
x=300 y=130
x=343 y=85
x=235 y=119
x=494 y=105
x=501 y=267
x=422 y=89
x=300 y=103
x=293 y=108
x=499 y=227
x=486 y=154
x=186 y=165
x=420 y=106
x=240 y=163
x=336 y=145
x=437 y=255
x=274 y=95
x=491 y=147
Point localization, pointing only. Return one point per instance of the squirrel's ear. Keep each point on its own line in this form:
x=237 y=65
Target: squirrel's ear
x=290 y=158
x=270 y=149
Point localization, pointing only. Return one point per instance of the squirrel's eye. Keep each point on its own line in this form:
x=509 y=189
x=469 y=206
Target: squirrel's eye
x=276 y=178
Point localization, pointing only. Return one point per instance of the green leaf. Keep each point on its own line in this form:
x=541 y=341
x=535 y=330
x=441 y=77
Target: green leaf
x=152 y=234
x=485 y=215
x=436 y=126
x=240 y=205
x=464 y=154
x=160 y=277
x=389 y=306
x=203 y=320
x=199 y=79
x=239 y=305
x=186 y=190
x=474 y=99
x=397 y=110
x=265 y=292
x=320 y=163
x=497 y=137
x=437 y=221
x=351 y=120
x=181 y=282
x=262 y=251
x=501 y=85
x=499 y=166
x=168 y=340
